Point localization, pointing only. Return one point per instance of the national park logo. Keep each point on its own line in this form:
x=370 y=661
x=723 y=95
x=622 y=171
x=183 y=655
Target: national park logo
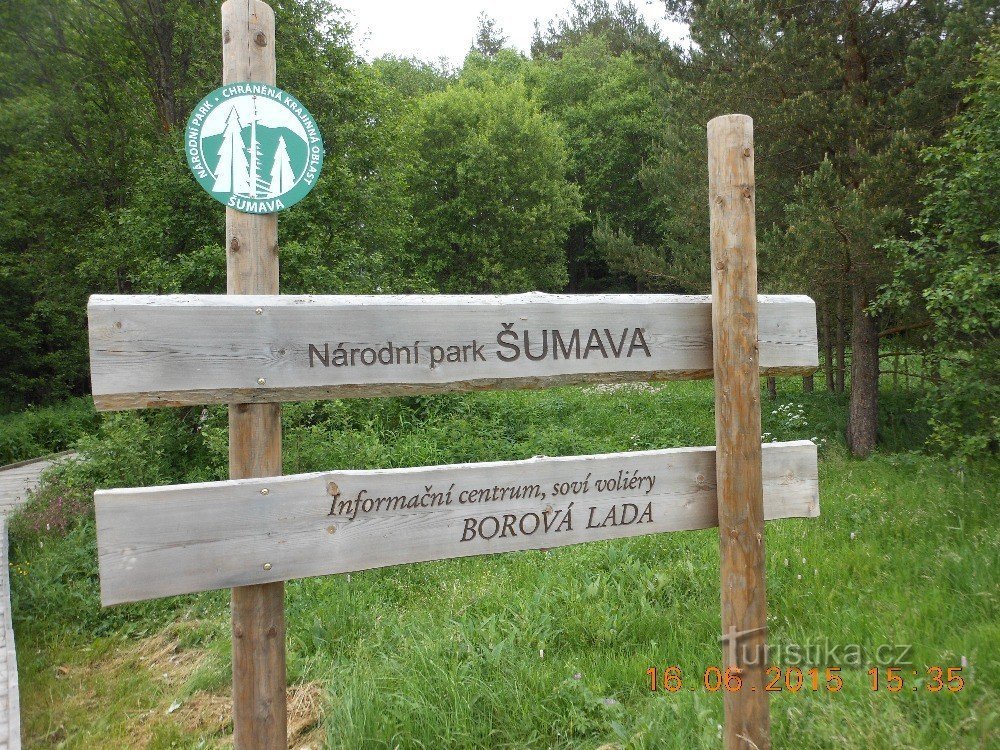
x=254 y=147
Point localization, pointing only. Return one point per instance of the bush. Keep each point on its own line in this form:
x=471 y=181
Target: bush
x=38 y=431
x=951 y=269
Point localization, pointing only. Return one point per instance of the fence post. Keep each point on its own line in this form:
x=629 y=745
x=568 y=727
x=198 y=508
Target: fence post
x=737 y=427
x=259 y=710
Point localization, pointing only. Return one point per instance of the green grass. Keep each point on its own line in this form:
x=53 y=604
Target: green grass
x=536 y=649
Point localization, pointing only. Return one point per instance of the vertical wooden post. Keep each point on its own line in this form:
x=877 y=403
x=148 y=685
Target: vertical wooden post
x=259 y=711
x=737 y=427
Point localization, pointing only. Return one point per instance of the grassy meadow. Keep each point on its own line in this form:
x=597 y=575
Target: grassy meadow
x=531 y=649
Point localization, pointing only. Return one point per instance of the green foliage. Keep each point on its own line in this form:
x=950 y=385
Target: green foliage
x=490 y=38
x=612 y=120
x=676 y=178
x=582 y=168
x=410 y=77
x=951 y=270
x=619 y=23
x=830 y=228
x=96 y=196
x=853 y=88
x=490 y=195
x=534 y=649
x=40 y=430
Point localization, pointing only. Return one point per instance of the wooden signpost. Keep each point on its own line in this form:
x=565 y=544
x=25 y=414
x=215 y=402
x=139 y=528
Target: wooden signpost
x=224 y=534
x=736 y=353
x=254 y=349
x=259 y=707
x=200 y=349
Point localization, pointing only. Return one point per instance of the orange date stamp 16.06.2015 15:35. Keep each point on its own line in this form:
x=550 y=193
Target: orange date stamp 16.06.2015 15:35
x=932 y=679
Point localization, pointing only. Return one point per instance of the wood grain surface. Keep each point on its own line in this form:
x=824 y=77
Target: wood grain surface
x=260 y=714
x=160 y=541
x=741 y=489
x=199 y=349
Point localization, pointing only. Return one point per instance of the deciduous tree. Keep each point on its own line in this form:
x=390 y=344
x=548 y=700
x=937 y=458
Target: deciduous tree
x=491 y=198
x=949 y=272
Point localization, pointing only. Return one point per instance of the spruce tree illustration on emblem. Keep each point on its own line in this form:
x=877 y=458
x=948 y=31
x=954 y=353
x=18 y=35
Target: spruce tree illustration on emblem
x=254 y=147
x=282 y=176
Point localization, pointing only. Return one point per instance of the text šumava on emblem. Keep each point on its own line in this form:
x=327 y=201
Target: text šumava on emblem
x=253 y=177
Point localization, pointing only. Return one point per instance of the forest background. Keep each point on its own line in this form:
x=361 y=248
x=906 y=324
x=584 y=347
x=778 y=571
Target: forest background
x=580 y=167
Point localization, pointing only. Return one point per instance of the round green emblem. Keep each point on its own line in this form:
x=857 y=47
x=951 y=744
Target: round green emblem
x=254 y=147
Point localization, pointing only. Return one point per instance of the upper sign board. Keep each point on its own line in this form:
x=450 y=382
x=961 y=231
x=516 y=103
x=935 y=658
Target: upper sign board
x=205 y=349
x=253 y=147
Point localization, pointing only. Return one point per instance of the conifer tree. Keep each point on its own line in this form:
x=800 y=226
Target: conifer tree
x=490 y=38
x=232 y=173
x=254 y=159
x=258 y=186
x=282 y=176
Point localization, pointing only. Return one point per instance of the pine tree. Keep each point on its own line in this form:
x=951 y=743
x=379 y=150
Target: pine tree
x=282 y=177
x=258 y=186
x=232 y=173
x=490 y=38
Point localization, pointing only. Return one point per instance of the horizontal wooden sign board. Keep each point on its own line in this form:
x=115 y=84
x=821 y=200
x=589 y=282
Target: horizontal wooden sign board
x=180 y=350
x=161 y=541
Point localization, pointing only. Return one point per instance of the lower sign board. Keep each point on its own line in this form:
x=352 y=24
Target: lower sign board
x=205 y=349
x=161 y=541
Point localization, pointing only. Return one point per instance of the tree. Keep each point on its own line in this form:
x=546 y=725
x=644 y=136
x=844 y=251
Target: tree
x=831 y=228
x=232 y=173
x=620 y=24
x=612 y=124
x=490 y=195
x=411 y=77
x=490 y=38
x=93 y=97
x=861 y=84
x=948 y=273
x=282 y=176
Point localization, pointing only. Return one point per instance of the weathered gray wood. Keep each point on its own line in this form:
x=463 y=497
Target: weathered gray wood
x=10 y=708
x=161 y=541
x=18 y=479
x=742 y=493
x=199 y=349
x=260 y=717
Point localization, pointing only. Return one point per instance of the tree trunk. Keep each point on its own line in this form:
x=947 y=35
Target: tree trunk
x=772 y=388
x=838 y=326
x=828 y=348
x=862 y=423
x=807 y=383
